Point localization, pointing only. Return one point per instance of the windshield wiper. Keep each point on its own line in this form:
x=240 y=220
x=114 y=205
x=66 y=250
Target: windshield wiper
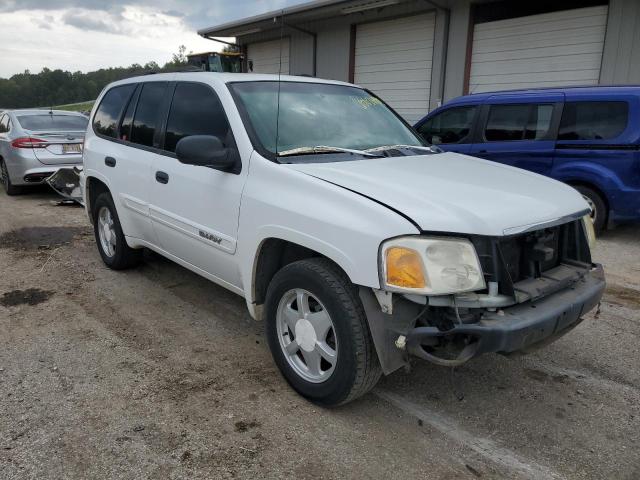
x=325 y=149
x=431 y=149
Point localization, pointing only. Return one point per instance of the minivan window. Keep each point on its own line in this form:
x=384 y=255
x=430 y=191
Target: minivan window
x=195 y=110
x=593 y=120
x=53 y=123
x=147 y=116
x=518 y=122
x=539 y=122
x=105 y=121
x=450 y=126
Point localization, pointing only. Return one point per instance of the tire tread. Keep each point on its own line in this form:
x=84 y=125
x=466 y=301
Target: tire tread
x=125 y=257
x=368 y=369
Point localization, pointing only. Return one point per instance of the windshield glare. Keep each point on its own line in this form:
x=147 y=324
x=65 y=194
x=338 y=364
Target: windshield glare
x=316 y=114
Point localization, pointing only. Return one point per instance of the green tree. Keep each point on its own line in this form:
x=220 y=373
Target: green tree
x=58 y=87
x=180 y=58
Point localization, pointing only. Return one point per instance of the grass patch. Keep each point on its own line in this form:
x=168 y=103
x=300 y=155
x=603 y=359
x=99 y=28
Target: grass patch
x=76 y=107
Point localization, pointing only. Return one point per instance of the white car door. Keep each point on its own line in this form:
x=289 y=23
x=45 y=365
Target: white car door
x=125 y=166
x=195 y=209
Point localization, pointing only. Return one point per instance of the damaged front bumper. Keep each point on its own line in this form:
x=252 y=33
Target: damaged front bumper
x=66 y=182
x=516 y=328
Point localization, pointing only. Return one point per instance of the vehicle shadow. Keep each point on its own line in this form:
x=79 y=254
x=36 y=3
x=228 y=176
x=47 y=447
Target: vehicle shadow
x=626 y=232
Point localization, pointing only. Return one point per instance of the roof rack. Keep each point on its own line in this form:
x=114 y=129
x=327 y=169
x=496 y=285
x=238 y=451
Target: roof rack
x=557 y=87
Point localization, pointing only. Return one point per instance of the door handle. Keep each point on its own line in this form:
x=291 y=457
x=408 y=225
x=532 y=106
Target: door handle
x=162 y=177
x=482 y=151
x=110 y=161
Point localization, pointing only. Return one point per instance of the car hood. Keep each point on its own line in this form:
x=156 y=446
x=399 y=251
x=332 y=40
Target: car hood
x=450 y=192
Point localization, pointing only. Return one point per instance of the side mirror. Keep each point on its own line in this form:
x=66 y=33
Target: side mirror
x=205 y=151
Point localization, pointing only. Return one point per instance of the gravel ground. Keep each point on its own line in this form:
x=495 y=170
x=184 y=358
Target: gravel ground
x=158 y=373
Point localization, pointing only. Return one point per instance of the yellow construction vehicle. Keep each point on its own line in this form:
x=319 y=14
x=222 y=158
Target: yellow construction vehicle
x=217 y=61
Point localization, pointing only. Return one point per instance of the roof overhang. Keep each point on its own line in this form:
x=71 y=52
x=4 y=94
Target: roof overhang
x=305 y=12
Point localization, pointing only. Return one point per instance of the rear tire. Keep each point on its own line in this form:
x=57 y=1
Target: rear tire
x=599 y=212
x=112 y=245
x=295 y=333
x=6 y=181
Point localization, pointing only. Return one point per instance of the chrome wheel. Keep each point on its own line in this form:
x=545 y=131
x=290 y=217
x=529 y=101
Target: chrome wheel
x=592 y=206
x=106 y=232
x=307 y=335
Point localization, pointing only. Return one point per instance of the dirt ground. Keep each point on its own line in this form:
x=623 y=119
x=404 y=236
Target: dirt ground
x=158 y=373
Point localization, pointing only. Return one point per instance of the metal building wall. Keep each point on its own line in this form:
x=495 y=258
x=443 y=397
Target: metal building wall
x=454 y=79
x=620 y=65
x=333 y=52
x=621 y=57
x=334 y=40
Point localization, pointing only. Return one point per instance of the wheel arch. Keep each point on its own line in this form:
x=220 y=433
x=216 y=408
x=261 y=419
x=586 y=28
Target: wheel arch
x=274 y=253
x=93 y=187
x=595 y=188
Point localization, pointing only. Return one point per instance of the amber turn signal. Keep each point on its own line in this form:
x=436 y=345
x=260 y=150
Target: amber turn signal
x=404 y=268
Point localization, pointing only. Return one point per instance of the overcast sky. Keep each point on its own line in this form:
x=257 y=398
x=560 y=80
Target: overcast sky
x=89 y=34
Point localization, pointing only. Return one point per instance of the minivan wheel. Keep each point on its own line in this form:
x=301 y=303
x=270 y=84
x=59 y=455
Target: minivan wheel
x=598 y=207
x=318 y=333
x=113 y=248
x=6 y=181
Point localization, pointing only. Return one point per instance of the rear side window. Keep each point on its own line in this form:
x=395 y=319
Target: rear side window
x=105 y=121
x=593 y=120
x=518 y=122
x=4 y=124
x=195 y=110
x=127 y=119
x=450 y=126
x=53 y=123
x=147 y=116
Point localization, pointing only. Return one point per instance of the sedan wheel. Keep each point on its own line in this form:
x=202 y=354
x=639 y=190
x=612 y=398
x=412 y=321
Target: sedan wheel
x=6 y=181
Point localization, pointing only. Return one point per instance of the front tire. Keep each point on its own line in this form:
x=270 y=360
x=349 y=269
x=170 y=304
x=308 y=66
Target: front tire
x=598 y=207
x=10 y=188
x=318 y=333
x=112 y=245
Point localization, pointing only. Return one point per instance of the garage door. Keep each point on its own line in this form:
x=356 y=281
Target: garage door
x=551 y=49
x=266 y=56
x=393 y=59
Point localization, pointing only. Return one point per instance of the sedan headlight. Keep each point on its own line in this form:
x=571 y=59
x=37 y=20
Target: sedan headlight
x=431 y=266
x=590 y=232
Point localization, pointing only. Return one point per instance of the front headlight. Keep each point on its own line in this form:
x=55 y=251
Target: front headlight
x=590 y=232
x=431 y=266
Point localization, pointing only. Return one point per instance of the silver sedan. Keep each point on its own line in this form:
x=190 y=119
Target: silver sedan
x=34 y=144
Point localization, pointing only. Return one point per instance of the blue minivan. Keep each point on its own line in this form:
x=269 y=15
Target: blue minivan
x=588 y=137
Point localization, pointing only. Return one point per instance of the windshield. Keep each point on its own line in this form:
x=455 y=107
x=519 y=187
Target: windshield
x=319 y=115
x=53 y=123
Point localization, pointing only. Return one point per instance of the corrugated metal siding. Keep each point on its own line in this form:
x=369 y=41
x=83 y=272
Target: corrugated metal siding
x=266 y=56
x=393 y=58
x=456 y=54
x=333 y=53
x=621 y=60
x=551 y=49
x=333 y=39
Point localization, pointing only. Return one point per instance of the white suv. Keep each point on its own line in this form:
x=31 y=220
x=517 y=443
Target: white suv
x=358 y=244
